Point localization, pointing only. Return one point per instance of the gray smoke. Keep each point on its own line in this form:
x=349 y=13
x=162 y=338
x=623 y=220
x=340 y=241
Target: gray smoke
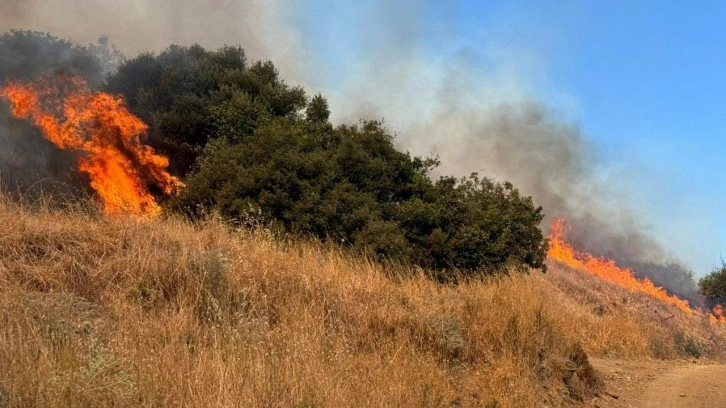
x=28 y=162
x=552 y=161
x=475 y=106
x=152 y=25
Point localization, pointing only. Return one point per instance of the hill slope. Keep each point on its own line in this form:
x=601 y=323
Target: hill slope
x=108 y=311
x=616 y=322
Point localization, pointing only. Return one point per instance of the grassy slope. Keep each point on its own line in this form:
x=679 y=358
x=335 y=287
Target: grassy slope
x=614 y=322
x=95 y=312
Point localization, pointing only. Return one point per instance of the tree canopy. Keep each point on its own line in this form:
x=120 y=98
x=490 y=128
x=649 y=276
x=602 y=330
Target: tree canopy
x=713 y=285
x=190 y=95
x=251 y=147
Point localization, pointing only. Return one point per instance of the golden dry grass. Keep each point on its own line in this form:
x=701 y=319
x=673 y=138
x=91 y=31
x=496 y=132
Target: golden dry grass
x=115 y=312
x=614 y=322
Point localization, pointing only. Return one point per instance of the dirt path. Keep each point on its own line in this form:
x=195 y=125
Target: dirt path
x=689 y=386
x=658 y=384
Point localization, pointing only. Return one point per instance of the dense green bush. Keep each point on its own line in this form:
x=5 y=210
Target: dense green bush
x=253 y=148
x=341 y=184
x=351 y=185
x=713 y=285
x=474 y=223
x=187 y=95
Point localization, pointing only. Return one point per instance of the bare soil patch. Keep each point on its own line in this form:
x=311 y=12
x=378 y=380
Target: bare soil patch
x=662 y=384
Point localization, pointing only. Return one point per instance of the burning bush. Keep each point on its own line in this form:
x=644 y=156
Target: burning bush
x=103 y=134
x=30 y=163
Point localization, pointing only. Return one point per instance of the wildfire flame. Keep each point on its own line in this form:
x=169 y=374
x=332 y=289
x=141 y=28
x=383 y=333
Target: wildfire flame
x=718 y=314
x=562 y=251
x=107 y=137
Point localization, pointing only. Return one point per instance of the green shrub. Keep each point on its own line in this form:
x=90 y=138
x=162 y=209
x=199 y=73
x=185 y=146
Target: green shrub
x=350 y=185
x=255 y=149
x=713 y=285
x=189 y=95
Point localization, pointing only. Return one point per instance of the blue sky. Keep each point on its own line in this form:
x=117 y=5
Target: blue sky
x=643 y=80
x=649 y=78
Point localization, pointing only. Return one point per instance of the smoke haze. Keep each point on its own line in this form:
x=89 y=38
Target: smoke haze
x=553 y=161
x=152 y=25
x=475 y=105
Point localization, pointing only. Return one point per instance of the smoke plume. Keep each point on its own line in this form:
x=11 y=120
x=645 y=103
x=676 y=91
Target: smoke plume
x=552 y=161
x=135 y=26
x=476 y=107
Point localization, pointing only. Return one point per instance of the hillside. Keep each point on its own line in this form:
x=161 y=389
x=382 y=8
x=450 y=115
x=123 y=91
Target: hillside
x=624 y=324
x=100 y=311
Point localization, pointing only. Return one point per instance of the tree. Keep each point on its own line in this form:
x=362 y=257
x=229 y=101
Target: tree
x=189 y=95
x=713 y=285
x=109 y=57
x=318 y=110
x=340 y=184
x=253 y=147
x=475 y=225
x=351 y=185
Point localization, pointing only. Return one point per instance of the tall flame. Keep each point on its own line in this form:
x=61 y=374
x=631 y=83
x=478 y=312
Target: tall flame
x=106 y=135
x=560 y=250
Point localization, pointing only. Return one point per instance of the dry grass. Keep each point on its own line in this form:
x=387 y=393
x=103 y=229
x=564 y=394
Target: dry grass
x=114 y=312
x=613 y=322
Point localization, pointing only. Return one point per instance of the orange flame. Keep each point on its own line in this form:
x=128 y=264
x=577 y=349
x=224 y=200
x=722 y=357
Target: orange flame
x=560 y=250
x=104 y=133
x=718 y=314
x=606 y=269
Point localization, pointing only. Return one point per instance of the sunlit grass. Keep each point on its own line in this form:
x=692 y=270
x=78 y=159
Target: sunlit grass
x=99 y=311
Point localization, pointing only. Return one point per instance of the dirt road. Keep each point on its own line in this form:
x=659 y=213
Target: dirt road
x=658 y=384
